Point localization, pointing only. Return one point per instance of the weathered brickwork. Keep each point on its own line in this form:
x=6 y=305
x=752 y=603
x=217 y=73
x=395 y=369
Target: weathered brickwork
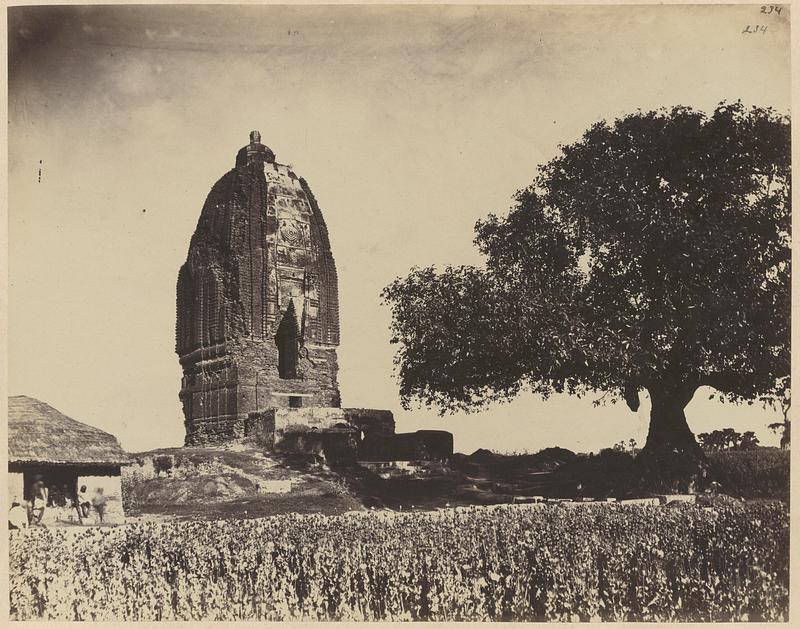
x=257 y=301
x=270 y=427
x=371 y=421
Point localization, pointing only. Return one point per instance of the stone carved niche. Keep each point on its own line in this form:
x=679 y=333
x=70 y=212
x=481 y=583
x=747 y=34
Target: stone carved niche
x=288 y=338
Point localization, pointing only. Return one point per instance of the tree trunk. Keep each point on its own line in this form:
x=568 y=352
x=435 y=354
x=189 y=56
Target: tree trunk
x=672 y=460
x=669 y=432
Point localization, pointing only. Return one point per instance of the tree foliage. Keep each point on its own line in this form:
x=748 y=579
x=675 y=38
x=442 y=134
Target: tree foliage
x=653 y=253
x=728 y=439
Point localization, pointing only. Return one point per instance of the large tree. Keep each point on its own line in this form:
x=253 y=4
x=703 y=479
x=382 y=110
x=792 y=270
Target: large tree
x=651 y=254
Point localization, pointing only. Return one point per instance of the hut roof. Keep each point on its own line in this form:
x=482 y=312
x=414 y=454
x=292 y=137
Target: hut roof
x=39 y=433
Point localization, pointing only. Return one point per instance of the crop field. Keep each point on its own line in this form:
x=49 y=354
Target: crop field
x=552 y=562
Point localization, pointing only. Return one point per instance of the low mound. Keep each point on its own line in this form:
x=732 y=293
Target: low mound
x=231 y=480
x=168 y=491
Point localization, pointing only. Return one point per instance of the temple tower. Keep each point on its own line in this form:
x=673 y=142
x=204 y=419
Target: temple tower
x=257 y=301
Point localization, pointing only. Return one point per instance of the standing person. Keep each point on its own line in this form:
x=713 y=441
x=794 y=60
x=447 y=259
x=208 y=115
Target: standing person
x=67 y=496
x=84 y=503
x=39 y=499
x=99 y=503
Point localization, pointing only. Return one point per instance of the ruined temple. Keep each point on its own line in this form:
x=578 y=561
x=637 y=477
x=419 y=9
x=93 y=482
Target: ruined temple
x=257 y=311
x=258 y=322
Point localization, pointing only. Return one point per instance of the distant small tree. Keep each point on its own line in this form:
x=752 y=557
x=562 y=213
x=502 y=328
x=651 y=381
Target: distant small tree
x=748 y=441
x=728 y=439
x=712 y=441
x=785 y=401
x=784 y=428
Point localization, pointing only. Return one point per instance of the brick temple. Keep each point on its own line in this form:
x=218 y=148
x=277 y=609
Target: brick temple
x=258 y=314
x=258 y=318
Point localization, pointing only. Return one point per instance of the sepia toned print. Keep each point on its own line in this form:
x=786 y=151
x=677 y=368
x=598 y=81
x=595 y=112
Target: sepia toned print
x=399 y=313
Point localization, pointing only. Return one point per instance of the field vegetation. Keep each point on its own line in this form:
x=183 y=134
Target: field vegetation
x=592 y=562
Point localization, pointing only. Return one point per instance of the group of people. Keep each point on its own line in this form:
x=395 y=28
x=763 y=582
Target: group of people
x=30 y=511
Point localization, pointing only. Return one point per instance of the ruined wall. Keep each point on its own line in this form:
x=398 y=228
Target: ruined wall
x=257 y=301
x=308 y=419
x=371 y=421
x=338 y=447
x=270 y=426
x=320 y=431
x=260 y=426
x=422 y=445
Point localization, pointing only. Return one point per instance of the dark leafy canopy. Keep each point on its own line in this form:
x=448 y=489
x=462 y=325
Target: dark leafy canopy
x=652 y=254
x=728 y=439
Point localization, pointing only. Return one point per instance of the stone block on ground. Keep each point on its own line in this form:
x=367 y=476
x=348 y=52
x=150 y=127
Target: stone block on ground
x=528 y=499
x=687 y=498
x=641 y=501
x=275 y=486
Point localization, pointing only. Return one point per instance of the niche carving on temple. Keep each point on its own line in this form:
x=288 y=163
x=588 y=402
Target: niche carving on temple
x=287 y=339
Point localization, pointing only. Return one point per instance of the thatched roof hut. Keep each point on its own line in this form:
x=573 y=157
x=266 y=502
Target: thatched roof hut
x=45 y=446
x=38 y=433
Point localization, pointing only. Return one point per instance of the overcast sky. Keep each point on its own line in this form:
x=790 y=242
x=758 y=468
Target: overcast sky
x=408 y=123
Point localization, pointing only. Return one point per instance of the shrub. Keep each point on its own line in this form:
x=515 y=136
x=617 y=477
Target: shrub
x=608 y=473
x=163 y=463
x=133 y=476
x=760 y=473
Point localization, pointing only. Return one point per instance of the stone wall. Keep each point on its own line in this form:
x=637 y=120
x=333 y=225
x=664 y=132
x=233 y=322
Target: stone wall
x=422 y=445
x=307 y=420
x=268 y=427
x=337 y=446
x=261 y=387
x=260 y=426
x=371 y=421
x=306 y=430
x=318 y=431
x=224 y=384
